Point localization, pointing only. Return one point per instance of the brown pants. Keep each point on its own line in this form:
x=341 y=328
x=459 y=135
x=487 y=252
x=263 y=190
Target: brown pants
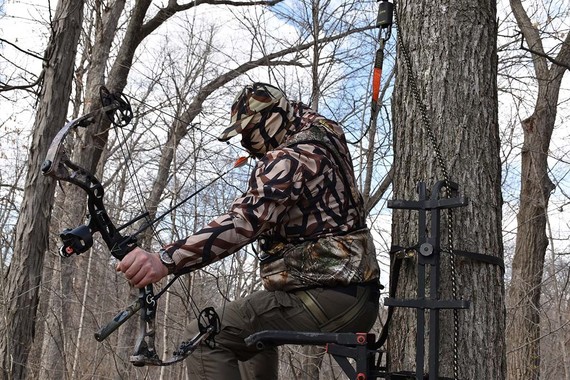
x=344 y=312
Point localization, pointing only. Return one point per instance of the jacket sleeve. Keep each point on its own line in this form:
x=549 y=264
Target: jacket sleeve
x=274 y=185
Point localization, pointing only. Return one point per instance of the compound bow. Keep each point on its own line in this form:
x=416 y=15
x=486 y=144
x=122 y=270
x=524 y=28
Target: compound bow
x=80 y=239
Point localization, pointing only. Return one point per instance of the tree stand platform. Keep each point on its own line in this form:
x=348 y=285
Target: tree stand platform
x=363 y=347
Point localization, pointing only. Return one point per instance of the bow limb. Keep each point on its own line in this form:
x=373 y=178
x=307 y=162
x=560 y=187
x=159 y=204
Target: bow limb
x=58 y=165
x=145 y=354
x=80 y=239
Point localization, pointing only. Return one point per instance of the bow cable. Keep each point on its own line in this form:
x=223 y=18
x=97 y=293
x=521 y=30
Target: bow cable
x=208 y=320
x=58 y=165
x=151 y=223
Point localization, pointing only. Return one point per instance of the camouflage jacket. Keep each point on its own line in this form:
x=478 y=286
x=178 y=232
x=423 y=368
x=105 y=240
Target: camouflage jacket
x=303 y=206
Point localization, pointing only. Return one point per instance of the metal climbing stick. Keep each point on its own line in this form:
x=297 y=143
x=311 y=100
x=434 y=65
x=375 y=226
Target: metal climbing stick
x=428 y=249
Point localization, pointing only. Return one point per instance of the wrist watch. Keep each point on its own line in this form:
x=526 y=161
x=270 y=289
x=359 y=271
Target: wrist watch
x=167 y=260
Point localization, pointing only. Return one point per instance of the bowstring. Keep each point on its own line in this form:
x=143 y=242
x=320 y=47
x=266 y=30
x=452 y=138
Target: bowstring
x=232 y=259
x=151 y=223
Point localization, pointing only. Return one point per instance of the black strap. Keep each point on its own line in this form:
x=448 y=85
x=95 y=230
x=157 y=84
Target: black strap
x=394 y=277
x=398 y=255
x=485 y=258
x=362 y=294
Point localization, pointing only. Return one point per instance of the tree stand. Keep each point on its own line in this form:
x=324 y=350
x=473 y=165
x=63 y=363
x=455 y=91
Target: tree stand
x=362 y=347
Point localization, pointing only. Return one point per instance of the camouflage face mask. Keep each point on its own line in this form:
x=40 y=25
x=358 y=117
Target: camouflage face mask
x=265 y=132
x=261 y=113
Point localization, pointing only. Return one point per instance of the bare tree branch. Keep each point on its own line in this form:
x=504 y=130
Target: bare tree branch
x=544 y=55
x=22 y=50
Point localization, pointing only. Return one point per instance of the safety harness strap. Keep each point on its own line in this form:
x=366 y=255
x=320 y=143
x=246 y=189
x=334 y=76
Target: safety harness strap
x=327 y=324
x=312 y=306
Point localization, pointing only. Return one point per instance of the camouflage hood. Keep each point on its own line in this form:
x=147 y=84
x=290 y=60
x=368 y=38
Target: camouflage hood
x=263 y=115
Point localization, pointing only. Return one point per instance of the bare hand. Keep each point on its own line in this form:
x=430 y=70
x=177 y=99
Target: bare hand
x=142 y=268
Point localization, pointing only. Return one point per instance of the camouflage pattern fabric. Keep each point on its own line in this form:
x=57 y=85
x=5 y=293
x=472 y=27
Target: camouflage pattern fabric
x=301 y=203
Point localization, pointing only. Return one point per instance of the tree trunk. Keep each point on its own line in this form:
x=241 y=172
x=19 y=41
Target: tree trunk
x=53 y=361
x=65 y=307
x=26 y=266
x=528 y=262
x=523 y=328
x=451 y=47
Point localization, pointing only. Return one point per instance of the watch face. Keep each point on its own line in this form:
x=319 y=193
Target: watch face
x=165 y=258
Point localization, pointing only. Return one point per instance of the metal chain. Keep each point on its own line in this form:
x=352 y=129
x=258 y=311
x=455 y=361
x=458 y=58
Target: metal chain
x=448 y=193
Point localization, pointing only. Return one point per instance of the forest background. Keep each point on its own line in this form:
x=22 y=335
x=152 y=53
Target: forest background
x=181 y=82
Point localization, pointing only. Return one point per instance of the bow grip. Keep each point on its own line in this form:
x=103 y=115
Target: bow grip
x=123 y=246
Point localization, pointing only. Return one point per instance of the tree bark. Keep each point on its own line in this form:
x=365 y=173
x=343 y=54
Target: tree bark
x=24 y=274
x=451 y=47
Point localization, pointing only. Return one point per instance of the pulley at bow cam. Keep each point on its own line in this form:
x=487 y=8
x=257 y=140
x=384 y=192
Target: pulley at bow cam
x=123 y=114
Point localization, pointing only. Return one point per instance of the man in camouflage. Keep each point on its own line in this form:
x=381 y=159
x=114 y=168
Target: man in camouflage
x=317 y=260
